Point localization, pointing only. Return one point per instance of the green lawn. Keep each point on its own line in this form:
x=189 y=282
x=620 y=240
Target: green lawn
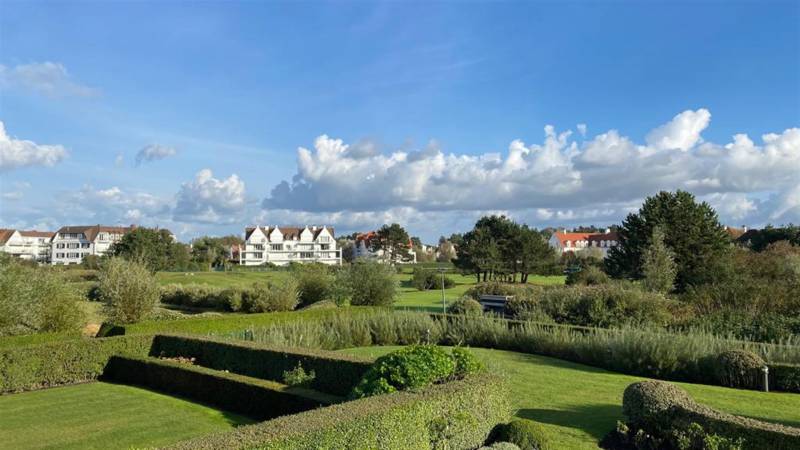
x=104 y=416
x=579 y=404
x=219 y=279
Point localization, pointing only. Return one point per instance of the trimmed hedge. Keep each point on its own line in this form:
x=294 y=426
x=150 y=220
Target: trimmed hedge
x=335 y=373
x=659 y=407
x=63 y=362
x=784 y=377
x=458 y=415
x=253 y=397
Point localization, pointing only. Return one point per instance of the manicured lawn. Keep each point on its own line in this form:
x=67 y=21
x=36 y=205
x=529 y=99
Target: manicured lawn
x=104 y=416
x=219 y=279
x=579 y=404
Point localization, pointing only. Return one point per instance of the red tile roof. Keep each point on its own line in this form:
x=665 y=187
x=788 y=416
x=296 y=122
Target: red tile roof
x=34 y=233
x=589 y=237
x=5 y=235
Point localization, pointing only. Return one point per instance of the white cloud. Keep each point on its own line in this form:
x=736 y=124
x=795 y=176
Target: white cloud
x=210 y=200
x=16 y=153
x=153 y=152
x=559 y=180
x=119 y=160
x=47 y=78
x=12 y=195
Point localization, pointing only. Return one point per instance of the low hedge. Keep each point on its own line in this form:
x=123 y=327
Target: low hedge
x=784 y=377
x=456 y=415
x=335 y=373
x=659 y=407
x=259 y=399
x=63 y=362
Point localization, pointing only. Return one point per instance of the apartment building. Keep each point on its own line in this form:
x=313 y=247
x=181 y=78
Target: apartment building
x=26 y=244
x=363 y=249
x=564 y=242
x=281 y=245
x=72 y=243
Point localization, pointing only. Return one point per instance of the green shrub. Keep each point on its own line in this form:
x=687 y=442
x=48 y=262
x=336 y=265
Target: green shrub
x=232 y=299
x=298 y=376
x=501 y=446
x=694 y=437
x=590 y=276
x=259 y=399
x=129 y=290
x=738 y=368
x=368 y=283
x=525 y=434
x=400 y=421
x=271 y=297
x=466 y=306
x=411 y=367
x=314 y=281
x=424 y=280
x=465 y=362
x=784 y=377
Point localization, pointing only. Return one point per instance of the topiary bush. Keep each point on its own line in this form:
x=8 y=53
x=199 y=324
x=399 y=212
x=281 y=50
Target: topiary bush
x=523 y=433
x=738 y=368
x=466 y=306
x=643 y=401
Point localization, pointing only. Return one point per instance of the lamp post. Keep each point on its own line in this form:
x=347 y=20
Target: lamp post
x=765 y=371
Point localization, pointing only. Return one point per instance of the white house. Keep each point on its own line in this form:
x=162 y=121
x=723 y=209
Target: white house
x=362 y=250
x=283 y=245
x=72 y=243
x=31 y=245
x=574 y=242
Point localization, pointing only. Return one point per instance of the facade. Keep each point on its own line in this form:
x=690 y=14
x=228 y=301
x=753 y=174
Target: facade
x=362 y=250
x=574 y=242
x=30 y=245
x=283 y=245
x=72 y=243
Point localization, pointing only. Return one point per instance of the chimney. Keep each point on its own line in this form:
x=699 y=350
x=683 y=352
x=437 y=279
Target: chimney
x=744 y=228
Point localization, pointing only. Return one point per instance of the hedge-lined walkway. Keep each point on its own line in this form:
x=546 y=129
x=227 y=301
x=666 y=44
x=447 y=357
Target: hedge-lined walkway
x=104 y=416
x=579 y=404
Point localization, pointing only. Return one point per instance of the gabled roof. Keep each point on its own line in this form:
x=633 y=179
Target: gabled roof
x=34 y=233
x=5 y=235
x=289 y=233
x=589 y=237
x=91 y=231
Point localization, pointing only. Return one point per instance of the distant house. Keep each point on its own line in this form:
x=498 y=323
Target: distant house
x=363 y=249
x=565 y=242
x=282 y=245
x=26 y=244
x=72 y=243
x=735 y=233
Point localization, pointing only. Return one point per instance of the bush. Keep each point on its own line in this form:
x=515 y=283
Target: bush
x=784 y=377
x=525 y=434
x=465 y=362
x=36 y=299
x=298 y=376
x=424 y=280
x=314 y=281
x=501 y=446
x=271 y=296
x=739 y=369
x=129 y=290
x=465 y=306
x=411 y=367
x=369 y=283
x=606 y=306
x=590 y=276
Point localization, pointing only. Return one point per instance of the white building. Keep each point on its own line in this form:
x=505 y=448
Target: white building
x=362 y=250
x=283 y=245
x=574 y=242
x=31 y=245
x=71 y=244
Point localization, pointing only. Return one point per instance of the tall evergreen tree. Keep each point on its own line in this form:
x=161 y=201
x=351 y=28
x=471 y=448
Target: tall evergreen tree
x=394 y=242
x=691 y=230
x=658 y=264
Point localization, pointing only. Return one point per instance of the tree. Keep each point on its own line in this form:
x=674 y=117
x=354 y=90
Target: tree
x=532 y=252
x=129 y=290
x=366 y=283
x=691 y=230
x=658 y=264
x=348 y=249
x=155 y=248
x=211 y=252
x=393 y=240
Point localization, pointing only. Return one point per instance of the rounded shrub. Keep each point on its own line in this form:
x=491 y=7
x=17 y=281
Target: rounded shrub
x=738 y=369
x=465 y=306
x=590 y=276
x=501 y=446
x=466 y=363
x=525 y=434
x=644 y=400
x=412 y=367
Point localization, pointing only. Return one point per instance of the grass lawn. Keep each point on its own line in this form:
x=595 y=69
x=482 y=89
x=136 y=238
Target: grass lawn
x=579 y=404
x=219 y=279
x=103 y=415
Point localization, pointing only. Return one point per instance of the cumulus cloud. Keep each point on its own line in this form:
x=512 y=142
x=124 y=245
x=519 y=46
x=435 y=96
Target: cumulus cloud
x=47 y=78
x=210 y=200
x=16 y=153
x=600 y=178
x=153 y=152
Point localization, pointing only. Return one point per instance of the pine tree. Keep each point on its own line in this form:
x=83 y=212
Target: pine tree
x=658 y=264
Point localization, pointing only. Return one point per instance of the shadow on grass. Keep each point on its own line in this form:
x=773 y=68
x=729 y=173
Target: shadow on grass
x=596 y=420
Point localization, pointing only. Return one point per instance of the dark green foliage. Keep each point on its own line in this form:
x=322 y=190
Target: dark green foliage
x=272 y=296
x=465 y=362
x=411 y=367
x=739 y=369
x=314 y=281
x=91 y=262
x=691 y=230
x=63 y=362
x=209 y=252
x=766 y=327
x=759 y=240
x=393 y=240
x=368 y=283
x=465 y=305
x=200 y=296
x=129 y=290
x=298 y=376
x=590 y=276
x=662 y=410
x=424 y=280
x=784 y=377
x=259 y=399
x=400 y=421
x=152 y=247
x=525 y=434
x=334 y=373
x=692 y=438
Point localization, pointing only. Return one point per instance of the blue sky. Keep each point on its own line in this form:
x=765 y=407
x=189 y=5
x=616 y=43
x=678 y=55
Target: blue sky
x=429 y=114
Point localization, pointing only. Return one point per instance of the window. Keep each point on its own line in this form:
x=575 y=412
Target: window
x=59 y=255
x=258 y=255
x=101 y=236
x=85 y=245
x=59 y=245
x=306 y=255
x=259 y=246
x=277 y=247
x=324 y=239
x=325 y=246
x=73 y=245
